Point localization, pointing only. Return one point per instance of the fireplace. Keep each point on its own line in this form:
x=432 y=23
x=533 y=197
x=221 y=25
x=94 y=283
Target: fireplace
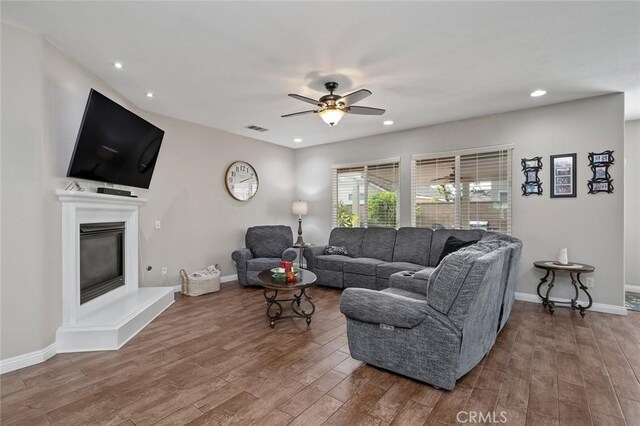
x=101 y=259
x=102 y=305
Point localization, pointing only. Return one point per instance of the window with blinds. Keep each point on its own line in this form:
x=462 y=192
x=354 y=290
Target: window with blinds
x=467 y=191
x=366 y=196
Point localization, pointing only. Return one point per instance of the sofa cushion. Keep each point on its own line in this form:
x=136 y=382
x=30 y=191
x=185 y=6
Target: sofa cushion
x=329 y=278
x=262 y=263
x=454 y=244
x=359 y=281
x=406 y=281
x=351 y=238
x=487 y=270
x=440 y=236
x=336 y=250
x=378 y=243
x=377 y=307
x=330 y=262
x=384 y=270
x=361 y=265
x=447 y=279
x=405 y=293
x=425 y=274
x=413 y=245
x=268 y=241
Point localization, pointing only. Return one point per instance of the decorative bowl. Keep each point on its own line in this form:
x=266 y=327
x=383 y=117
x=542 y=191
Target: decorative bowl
x=279 y=271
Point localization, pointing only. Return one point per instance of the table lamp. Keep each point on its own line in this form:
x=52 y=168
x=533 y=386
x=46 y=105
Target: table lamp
x=299 y=208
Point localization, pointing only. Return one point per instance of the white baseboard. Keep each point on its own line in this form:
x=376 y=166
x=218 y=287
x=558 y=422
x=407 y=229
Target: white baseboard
x=228 y=278
x=632 y=288
x=26 y=360
x=596 y=307
x=223 y=279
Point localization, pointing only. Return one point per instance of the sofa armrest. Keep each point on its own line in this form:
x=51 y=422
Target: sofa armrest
x=382 y=308
x=290 y=254
x=240 y=256
x=310 y=254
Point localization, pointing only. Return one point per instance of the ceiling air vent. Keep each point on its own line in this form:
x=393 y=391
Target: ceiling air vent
x=256 y=128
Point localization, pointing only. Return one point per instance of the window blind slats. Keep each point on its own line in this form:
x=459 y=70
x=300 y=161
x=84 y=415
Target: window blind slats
x=463 y=192
x=366 y=196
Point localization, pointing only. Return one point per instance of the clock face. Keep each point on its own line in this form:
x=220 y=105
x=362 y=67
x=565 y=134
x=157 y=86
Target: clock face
x=241 y=180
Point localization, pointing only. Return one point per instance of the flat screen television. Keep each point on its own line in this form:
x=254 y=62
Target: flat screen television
x=114 y=145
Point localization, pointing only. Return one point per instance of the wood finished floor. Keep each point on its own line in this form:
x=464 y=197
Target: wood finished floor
x=214 y=360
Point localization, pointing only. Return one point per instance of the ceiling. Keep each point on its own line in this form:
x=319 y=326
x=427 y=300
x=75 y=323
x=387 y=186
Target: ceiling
x=231 y=64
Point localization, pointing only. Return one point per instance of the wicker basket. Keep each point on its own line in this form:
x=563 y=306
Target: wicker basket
x=200 y=282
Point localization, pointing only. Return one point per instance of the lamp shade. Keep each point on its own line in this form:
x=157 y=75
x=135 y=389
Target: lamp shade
x=331 y=116
x=299 y=208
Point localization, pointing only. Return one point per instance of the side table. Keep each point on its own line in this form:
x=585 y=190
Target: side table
x=574 y=270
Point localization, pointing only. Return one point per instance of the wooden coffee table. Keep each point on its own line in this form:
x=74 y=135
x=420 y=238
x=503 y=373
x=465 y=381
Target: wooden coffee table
x=300 y=297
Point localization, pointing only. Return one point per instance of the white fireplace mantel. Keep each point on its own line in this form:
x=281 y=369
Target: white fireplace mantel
x=110 y=320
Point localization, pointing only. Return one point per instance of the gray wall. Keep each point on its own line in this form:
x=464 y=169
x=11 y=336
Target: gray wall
x=632 y=202
x=43 y=98
x=590 y=226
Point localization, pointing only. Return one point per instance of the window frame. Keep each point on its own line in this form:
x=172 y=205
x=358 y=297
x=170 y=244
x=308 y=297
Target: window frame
x=365 y=165
x=457 y=155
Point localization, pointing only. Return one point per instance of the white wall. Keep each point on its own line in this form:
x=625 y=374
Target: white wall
x=632 y=202
x=43 y=99
x=590 y=226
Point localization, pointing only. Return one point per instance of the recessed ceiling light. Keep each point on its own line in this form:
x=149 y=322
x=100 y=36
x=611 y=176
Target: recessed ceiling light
x=117 y=65
x=297 y=140
x=387 y=122
x=149 y=95
x=537 y=93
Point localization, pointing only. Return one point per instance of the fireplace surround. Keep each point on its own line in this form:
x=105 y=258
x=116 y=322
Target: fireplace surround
x=107 y=316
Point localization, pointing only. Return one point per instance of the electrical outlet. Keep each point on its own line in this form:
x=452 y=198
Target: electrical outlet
x=157 y=224
x=164 y=271
x=590 y=282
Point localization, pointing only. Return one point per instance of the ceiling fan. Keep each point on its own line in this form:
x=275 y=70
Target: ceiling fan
x=451 y=178
x=332 y=107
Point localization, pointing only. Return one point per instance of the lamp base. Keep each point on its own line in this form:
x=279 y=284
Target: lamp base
x=300 y=241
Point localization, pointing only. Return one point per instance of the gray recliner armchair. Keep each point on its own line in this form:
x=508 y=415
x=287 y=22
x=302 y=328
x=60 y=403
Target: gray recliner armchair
x=265 y=247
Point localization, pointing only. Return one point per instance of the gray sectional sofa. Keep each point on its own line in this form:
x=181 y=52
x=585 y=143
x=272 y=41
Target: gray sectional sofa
x=411 y=314
x=376 y=254
x=436 y=324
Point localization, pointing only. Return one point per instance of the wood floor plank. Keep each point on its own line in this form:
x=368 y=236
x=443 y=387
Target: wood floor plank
x=236 y=370
x=312 y=393
x=412 y=414
x=180 y=417
x=394 y=399
x=318 y=413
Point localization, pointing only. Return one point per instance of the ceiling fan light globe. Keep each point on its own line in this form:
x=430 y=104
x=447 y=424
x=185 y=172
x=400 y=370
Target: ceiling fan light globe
x=331 y=116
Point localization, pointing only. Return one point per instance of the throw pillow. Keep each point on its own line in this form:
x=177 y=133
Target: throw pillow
x=336 y=250
x=454 y=244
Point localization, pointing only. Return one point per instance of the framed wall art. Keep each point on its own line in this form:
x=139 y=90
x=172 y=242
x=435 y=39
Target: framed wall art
x=563 y=175
x=601 y=180
x=532 y=184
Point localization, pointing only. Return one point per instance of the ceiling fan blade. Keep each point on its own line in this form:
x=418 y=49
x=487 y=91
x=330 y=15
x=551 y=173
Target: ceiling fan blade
x=305 y=99
x=354 y=97
x=298 y=113
x=366 y=110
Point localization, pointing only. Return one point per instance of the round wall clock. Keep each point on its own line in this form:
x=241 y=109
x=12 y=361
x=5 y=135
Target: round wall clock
x=241 y=180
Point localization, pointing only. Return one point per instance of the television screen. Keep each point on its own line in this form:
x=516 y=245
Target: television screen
x=114 y=145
